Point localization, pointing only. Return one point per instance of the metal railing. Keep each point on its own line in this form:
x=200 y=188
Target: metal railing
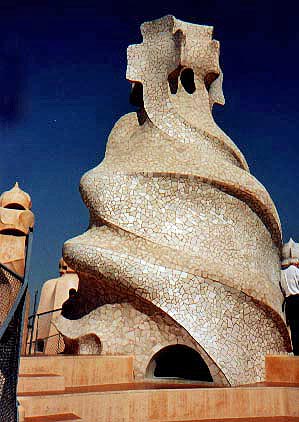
x=43 y=335
x=13 y=290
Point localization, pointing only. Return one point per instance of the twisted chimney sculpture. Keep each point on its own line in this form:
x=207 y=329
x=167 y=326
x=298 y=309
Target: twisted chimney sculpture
x=184 y=243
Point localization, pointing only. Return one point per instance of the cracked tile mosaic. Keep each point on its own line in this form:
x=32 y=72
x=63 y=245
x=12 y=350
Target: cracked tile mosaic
x=184 y=243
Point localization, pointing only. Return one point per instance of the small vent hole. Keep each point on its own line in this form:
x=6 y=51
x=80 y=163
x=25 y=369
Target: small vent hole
x=187 y=80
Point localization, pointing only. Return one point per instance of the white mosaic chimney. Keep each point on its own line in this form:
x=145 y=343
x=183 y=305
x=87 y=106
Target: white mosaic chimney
x=180 y=231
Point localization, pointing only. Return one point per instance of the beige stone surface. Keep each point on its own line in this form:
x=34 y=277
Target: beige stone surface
x=102 y=388
x=179 y=405
x=54 y=293
x=16 y=220
x=282 y=369
x=177 y=220
x=81 y=370
x=15 y=198
x=29 y=383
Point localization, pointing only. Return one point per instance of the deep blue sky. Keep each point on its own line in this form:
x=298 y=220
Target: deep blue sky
x=63 y=86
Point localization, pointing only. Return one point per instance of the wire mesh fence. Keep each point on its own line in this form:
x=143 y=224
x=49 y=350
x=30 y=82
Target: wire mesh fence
x=9 y=288
x=13 y=289
x=9 y=362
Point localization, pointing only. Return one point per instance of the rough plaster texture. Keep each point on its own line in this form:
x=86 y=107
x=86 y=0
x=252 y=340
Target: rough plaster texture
x=16 y=220
x=177 y=220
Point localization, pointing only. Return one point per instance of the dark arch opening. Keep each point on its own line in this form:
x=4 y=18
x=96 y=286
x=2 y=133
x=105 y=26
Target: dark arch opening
x=12 y=232
x=136 y=99
x=136 y=96
x=173 y=80
x=14 y=206
x=187 y=80
x=179 y=361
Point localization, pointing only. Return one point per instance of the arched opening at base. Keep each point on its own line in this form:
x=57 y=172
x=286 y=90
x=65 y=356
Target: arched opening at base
x=179 y=362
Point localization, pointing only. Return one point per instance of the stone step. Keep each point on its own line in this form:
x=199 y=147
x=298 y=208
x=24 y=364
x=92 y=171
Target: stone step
x=253 y=419
x=240 y=404
x=29 y=383
x=103 y=388
x=61 y=417
x=81 y=370
x=96 y=392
